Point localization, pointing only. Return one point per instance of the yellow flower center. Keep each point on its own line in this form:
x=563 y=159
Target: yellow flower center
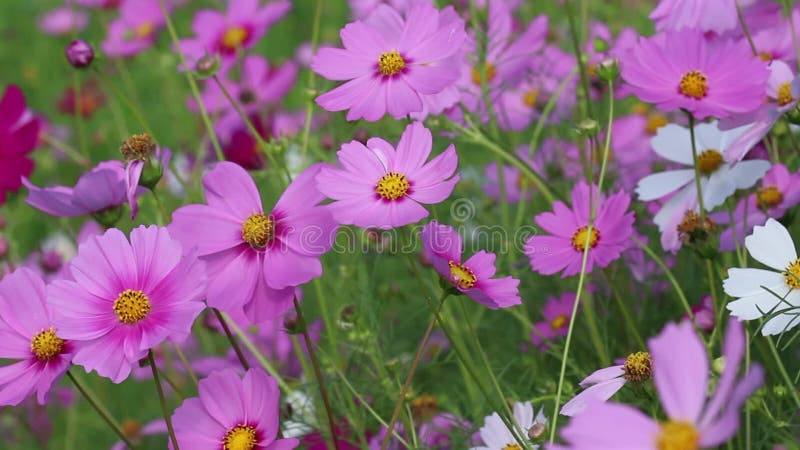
x=257 y=230
x=391 y=63
x=513 y=446
x=559 y=322
x=792 y=275
x=234 y=38
x=765 y=56
x=392 y=186
x=424 y=407
x=144 y=30
x=769 y=196
x=678 y=435
x=638 y=367
x=580 y=237
x=489 y=72
x=709 y=161
x=461 y=275
x=240 y=437
x=530 y=97
x=784 y=94
x=694 y=84
x=131 y=428
x=46 y=345
x=654 y=122
x=132 y=306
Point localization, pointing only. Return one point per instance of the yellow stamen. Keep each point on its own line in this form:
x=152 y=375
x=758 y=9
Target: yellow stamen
x=46 y=345
x=678 y=435
x=513 y=446
x=257 y=230
x=654 y=122
x=559 y=322
x=240 y=437
x=234 y=38
x=462 y=275
x=792 y=275
x=488 y=74
x=145 y=30
x=392 y=186
x=709 y=161
x=132 y=306
x=579 y=238
x=638 y=367
x=391 y=63
x=765 y=56
x=530 y=97
x=694 y=84
x=424 y=407
x=769 y=196
x=784 y=94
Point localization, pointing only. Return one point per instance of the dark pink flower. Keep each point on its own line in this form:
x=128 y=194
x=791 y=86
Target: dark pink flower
x=19 y=135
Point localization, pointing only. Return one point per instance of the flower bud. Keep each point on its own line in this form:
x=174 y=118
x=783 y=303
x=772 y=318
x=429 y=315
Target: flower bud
x=607 y=70
x=79 y=53
x=587 y=128
x=207 y=66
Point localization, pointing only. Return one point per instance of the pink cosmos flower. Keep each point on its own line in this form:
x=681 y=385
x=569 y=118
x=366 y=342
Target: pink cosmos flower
x=390 y=66
x=228 y=34
x=38 y=354
x=378 y=186
x=684 y=70
x=136 y=28
x=443 y=247
x=681 y=378
x=557 y=312
x=125 y=298
x=568 y=228
x=232 y=412
x=255 y=256
x=63 y=21
x=19 y=135
x=716 y=16
x=98 y=191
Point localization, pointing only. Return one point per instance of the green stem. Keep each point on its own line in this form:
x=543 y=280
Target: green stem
x=125 y=100
x=548 y=108
x=260 y=357
x=185 y=363
x=318 y=374
x=231 y=339
x=785 y=375
x=697 y=182
x=311 y=83
x=673 y=281
x=746 y=29
x=192 y=83
x=101 y=410
x=402 y=396
x=576 y=47
x=162 y=400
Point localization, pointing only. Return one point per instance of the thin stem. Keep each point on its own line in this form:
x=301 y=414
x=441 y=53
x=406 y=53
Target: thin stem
x=255 y=352
x=231 y=339
x=745 y=28
x=673 y=281
x=398 y=406
x=548 y=108
x=67 y=149
x=584 y=260
x=626 y=315
x=192 y=83
x=101 y=410
x=162 y=400
x=576 y=47
x=311 y=83
x=697 y=183
x=317 y=373
x=185 y=363
x=785 y=375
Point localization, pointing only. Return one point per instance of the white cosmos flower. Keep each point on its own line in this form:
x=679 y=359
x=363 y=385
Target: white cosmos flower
x=496 y=436
x=720 y=176
x=772 y=246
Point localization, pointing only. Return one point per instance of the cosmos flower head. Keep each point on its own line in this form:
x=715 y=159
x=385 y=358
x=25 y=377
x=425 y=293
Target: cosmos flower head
x=136 y=28
x=380 y=186
x=684 y=70
x=443 y=247
x=256 y=256
x=37 y=353
x=568 y=232
x=232 y=412
x=771 y=292
x=681 y=378
x=387 y=68
x=127 y=297
x=557 y=312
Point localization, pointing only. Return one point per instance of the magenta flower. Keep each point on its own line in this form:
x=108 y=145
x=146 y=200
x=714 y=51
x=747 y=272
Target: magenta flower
x=717 y=16
x=238 y=29
x=557 y=312
x=681 y=377
x=97 y=191
x=232 y=413
x=443 y=247
x=255 y=256
x=19 y=135
x=38 y=354
x=684 y=70
x=378 y=186
x=569 y=233
x=388 y=71
x=125 y=298
x=136 y=28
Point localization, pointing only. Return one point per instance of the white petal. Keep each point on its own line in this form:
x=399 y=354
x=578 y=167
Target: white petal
x=781 y=323
x=673 y=142
x=771 y=245
x=660 y=184
x=719 y=187
x=744 y=282
x=729 y=136
x=708 y=137
x=745 y=174
x=684 y=200
x=754 y=306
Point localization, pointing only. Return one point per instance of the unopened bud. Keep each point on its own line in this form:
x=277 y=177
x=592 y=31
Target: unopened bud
x=536 y=430
x=79 y=53
x=292 y=324
x=587 y=128
x=207 y=66
x=607 y=70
